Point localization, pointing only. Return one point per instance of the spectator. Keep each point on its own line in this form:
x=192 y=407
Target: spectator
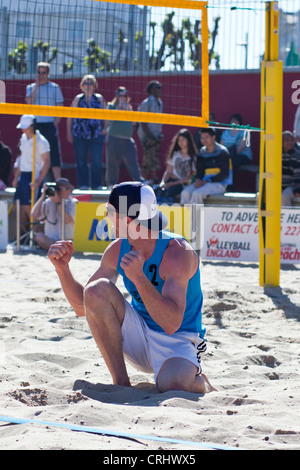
x=47 y=93
x=49 y=209
x=150 y=134
x=23 y=174
x=233 y=139
x=290 y=169
x=5 y=165
x=87 y=134
x=213 y=170
x=197 y=135
x=120 y=142
x=180 y=165
x=297 y=125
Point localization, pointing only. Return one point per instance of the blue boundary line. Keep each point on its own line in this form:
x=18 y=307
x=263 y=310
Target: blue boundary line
x=74 y=427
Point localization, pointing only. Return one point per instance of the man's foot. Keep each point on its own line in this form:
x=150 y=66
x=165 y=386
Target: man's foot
x=207 y=387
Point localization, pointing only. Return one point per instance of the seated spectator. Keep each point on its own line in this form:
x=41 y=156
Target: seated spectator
x=297 y=125
x=5 y=165
x=48 y=208
x=213 y=170
x=197 y=135
x=290 y=169
x=120 y=143
x=233 y=139
x=23 y=173
x=180 y=166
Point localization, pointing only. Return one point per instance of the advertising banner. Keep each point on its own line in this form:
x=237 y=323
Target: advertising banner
x=231 y=234
x=93 y=230
x=3 y=225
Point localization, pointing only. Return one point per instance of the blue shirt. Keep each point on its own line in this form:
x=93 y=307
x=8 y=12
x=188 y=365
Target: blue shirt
x=192 y=318
x=47 y=95
x=229 y=139
x=87 y=128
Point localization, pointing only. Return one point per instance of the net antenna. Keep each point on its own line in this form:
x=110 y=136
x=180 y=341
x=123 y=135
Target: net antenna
x=188 y=119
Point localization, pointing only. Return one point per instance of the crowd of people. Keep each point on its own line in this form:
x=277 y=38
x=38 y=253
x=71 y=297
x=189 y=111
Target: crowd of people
x=196 y=165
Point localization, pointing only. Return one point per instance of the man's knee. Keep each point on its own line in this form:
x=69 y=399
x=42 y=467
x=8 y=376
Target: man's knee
x=97 y=292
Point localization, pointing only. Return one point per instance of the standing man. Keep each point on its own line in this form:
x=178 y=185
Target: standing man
x=23 y=176
x=150 y=134
x=214 y=170
x=46 y=93
x=161 y=330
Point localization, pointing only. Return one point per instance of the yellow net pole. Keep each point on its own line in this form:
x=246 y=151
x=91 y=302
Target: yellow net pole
x=270 y=153
x=205 y=64
x=33 y=178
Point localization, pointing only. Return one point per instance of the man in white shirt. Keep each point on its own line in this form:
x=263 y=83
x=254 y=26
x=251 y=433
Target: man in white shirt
x=47 y=93
x=23 y=176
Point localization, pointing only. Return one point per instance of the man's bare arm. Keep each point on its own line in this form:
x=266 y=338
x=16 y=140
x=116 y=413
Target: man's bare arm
x=60 y=254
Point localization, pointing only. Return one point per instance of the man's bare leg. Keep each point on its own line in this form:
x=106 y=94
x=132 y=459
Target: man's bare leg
x=180 y=374
x=105 y=311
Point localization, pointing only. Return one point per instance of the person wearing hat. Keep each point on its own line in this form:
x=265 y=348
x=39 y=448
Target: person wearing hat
x=23 y=175
x=161 y=330
x=48 y=208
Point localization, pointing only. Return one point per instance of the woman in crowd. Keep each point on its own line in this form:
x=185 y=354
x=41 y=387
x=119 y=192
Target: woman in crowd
x=120 y=143
x=180 y=165
x=87 y=134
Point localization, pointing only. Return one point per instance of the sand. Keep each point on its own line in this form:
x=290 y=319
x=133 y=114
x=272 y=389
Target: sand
x=51 y=370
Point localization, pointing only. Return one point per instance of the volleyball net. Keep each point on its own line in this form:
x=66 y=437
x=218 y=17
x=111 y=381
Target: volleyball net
x=122 y=43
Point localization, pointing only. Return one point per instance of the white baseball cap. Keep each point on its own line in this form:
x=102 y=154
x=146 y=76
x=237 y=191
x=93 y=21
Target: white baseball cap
x=26 y=121
x=138 y=201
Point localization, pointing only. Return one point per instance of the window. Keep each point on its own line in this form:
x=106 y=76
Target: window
x=23 y=29
x=74 y=31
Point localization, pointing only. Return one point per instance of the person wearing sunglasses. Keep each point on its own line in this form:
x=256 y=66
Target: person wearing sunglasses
x=87 y=135
x=120 y=143
x=44 y=92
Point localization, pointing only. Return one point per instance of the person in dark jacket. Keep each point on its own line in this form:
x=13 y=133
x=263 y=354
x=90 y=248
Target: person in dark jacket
x=214 y=170
x=5 y=164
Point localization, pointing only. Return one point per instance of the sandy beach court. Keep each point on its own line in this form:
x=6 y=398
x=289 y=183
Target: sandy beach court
x=51 y=370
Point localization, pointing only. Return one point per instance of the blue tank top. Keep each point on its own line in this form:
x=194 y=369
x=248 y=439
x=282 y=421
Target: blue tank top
x=192 y=319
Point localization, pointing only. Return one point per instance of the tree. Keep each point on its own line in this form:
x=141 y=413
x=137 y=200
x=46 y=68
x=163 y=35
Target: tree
x=121 y=40
x=97 y=58
x=173 y=44
x=17 y=58
x=48 y=55
x=67 y=67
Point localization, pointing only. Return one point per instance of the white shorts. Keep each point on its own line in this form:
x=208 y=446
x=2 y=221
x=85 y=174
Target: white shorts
x=147 y=350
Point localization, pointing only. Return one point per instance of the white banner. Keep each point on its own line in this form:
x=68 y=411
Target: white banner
x=3 y=225
x=231 y=234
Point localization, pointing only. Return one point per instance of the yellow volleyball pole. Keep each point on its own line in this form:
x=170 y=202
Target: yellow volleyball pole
x=33 y=176
x=269 y=209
